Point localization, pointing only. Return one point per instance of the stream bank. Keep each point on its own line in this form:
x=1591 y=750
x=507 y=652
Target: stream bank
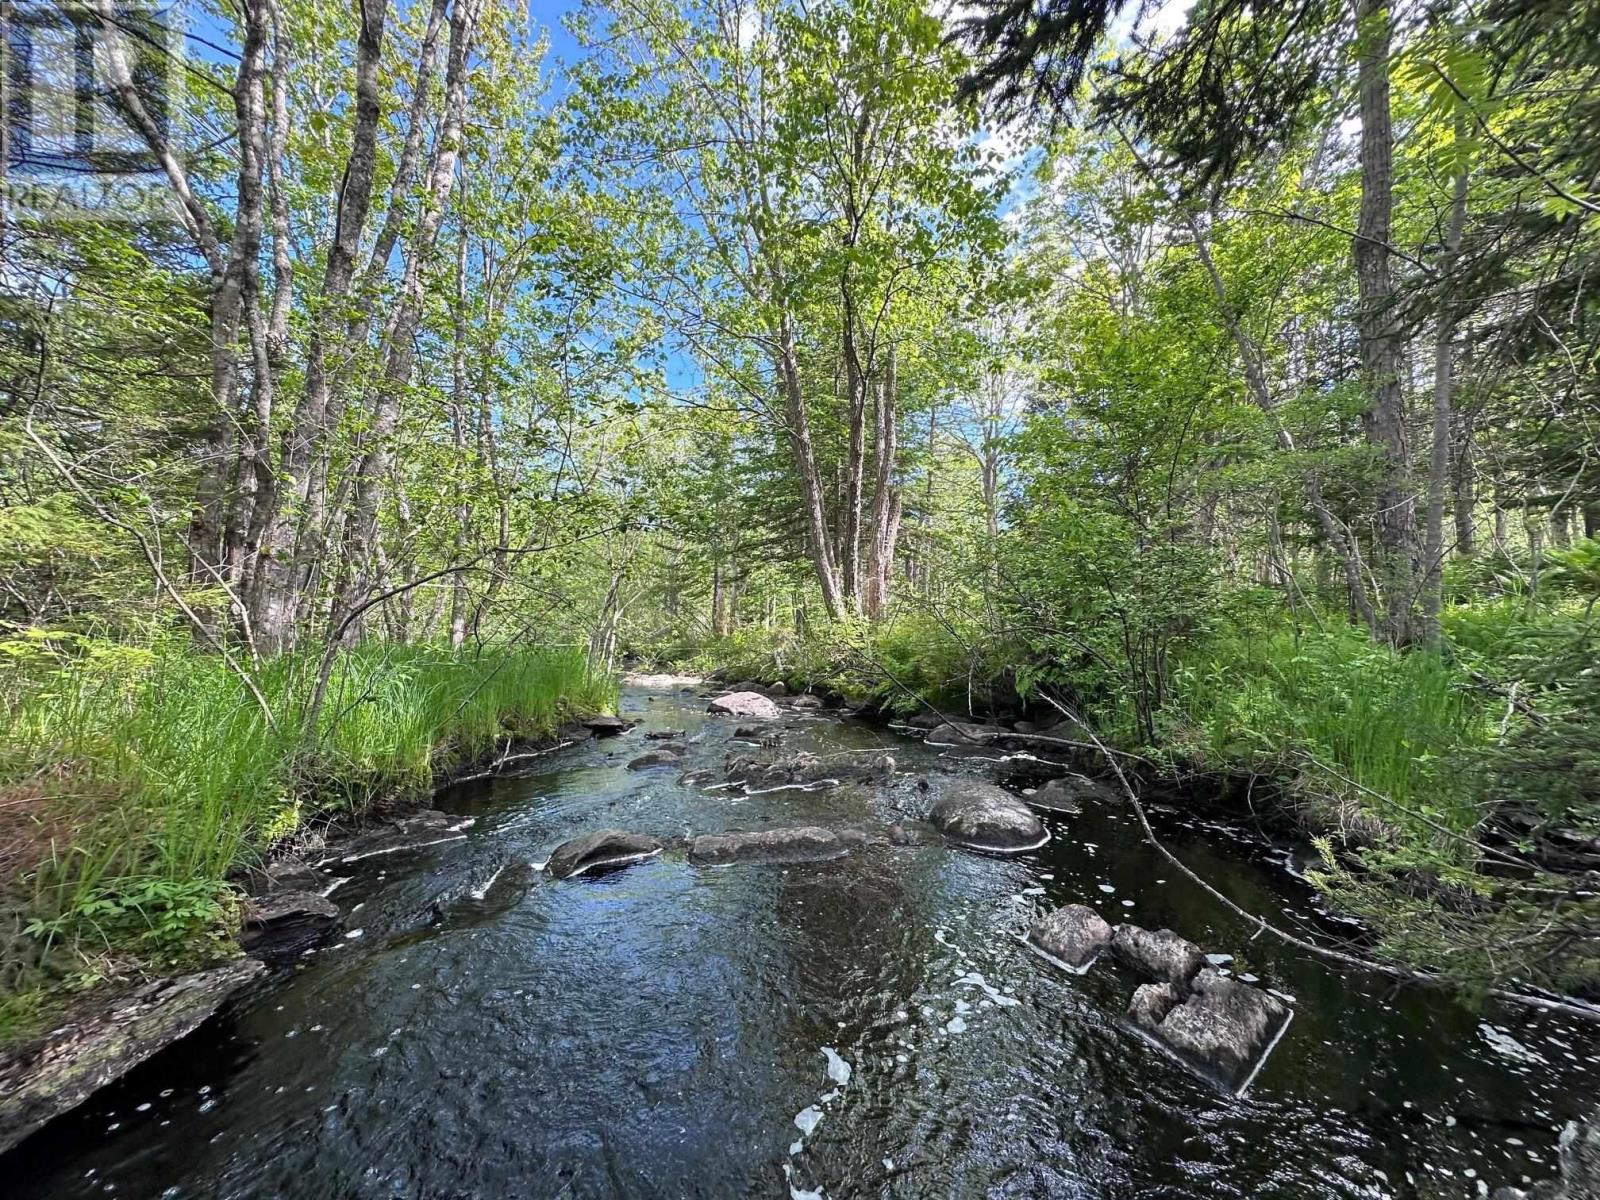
x=476 y=1028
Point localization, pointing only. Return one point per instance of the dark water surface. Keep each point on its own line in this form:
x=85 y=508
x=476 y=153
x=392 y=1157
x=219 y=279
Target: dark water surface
x=668 y=1030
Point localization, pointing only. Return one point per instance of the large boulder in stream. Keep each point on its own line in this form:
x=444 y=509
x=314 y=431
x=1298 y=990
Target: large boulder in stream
x=802 y=770
x=1073 y=935
x=806 y=843
x=1159 y=955
x=42 y=1079
x=1224 y=1026
x=748 y=705
x=986 y=817
x=603 y=850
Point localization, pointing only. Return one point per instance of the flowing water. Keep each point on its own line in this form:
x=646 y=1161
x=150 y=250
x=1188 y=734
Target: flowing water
x=869 y=1026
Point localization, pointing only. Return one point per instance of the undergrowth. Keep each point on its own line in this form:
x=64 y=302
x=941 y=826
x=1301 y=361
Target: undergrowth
x=135 y=780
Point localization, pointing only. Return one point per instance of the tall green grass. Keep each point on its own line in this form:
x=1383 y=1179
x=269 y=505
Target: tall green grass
x=1373 y=736
x=133 y=781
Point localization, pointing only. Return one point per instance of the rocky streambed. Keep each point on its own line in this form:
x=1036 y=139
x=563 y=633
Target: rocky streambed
x=773 y=952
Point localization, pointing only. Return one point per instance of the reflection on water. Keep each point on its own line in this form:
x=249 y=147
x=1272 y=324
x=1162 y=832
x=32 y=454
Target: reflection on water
x=870 y=1026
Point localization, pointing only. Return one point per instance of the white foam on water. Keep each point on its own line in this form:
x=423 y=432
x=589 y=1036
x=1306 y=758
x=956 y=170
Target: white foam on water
x=838 y=1069
x=456 y=837
x=796 y=1193
x=974 y=979
x=1504 y=1044
x=818 y=785
x=955 y=1025
x=478 y=893
x=808 y=1119
x=1107 y=888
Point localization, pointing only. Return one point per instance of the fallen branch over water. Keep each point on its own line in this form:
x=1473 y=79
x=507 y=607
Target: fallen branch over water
x=1572 y=1007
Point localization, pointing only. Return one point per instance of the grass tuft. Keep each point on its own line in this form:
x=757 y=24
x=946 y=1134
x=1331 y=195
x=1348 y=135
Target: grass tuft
x=134 y=781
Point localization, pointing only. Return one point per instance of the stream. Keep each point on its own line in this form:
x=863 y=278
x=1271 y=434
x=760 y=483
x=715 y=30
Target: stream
x=867 y=1026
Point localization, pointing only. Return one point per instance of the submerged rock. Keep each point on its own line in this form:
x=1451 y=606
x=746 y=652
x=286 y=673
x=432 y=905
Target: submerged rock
x=286 y=923
x=745 y=704
x=986 y=816
x=1224 y=1025
x=417 y=831
x=604 y=850
x=1578 y=1152
x=663 y=735
x=958 y=733
x=925 y=720
x=698 y=777
x=1580 y=1156
x=55 y=1074
x=803 y=769
x=666 y=756
x=1161 y=955
x=1068 y=794
x=504 y=889
x=1075 y=934
x=806 y=843
x=606 y=725
x=1152 y=1002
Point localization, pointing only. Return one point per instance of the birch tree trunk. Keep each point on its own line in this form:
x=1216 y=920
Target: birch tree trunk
x=803 y=455
x=283 y=561
x=373 y=468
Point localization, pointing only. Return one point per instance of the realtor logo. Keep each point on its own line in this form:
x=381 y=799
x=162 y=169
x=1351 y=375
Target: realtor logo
x=73 y=147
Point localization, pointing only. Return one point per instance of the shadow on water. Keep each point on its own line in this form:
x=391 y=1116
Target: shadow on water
x=870 y=1026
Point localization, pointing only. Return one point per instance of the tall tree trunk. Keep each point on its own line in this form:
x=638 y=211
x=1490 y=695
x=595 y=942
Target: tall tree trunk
x=282 y=562
x=1443 y=364
x=1378 y=324
x=804 y=457
x=458 y=433
x=1465 y=486
x=856 y=384
x=1561 y=524
x=886 y=505
x=372 y=470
